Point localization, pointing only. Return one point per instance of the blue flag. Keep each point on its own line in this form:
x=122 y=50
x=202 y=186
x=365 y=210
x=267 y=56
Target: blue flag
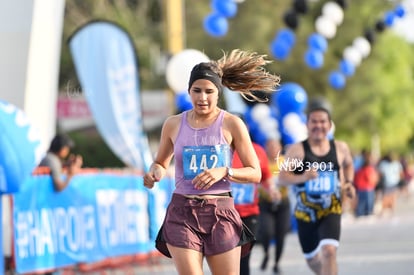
x=106 y=65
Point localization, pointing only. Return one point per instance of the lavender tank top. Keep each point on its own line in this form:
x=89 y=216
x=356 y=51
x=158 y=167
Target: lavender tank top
x=198 y=149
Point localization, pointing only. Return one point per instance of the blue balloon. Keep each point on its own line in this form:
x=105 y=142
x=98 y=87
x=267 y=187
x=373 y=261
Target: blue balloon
x=389 y=18
x=286 y=138
x=399 y=11
x=280 y=49
x=227 y=8
x=346 y=67
x=314 y=58
x=287 y=36
x=183 y=102
x=330 y=135
x=303 y=117
x=257 y=134
x=317 y=41
x=290 y=97
x=337 y=80
x=274 y=112
x=247 y=116
x=216 y=25
x=20 y=148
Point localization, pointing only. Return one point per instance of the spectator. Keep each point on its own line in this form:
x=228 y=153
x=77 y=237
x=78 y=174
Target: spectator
x=57 y=160
x=391 y=172
x=406 y=177
x=366 y=179
x=275 y=214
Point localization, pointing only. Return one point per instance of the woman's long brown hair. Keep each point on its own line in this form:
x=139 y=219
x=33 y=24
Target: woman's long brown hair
x=244 y=72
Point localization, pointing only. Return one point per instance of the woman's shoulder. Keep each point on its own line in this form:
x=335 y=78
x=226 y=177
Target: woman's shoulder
x=173 y=120
x=171 y=126
x=232 y=120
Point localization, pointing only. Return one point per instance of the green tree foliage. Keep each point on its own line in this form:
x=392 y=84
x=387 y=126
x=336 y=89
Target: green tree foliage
x=141 y=19
x=377 y=100
x=94 y=151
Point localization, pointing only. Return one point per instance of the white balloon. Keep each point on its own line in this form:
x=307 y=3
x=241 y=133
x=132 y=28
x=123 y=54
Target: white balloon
x=260 y=111
x=334 y=12
x=268 y=125
x=179 y=68
x=352 y=55
x=291 y=121
x=325 y=27
x=362 y=45
x=301 y=133
x=295 y=127
x=274 y=135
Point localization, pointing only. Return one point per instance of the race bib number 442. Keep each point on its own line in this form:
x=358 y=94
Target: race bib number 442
x=197 y=159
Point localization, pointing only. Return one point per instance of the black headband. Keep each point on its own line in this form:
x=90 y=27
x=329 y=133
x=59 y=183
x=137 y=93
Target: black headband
x=199 y=72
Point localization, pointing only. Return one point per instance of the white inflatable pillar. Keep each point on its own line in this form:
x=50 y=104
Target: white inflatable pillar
x=30 y=39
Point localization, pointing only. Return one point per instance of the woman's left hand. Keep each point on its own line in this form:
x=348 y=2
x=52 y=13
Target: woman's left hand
x=209 y=177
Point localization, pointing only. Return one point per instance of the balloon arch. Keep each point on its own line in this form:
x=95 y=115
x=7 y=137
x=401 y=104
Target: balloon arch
x=283 y=116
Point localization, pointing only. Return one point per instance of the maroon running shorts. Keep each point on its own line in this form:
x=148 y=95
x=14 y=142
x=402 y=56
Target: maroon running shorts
x=210 y=226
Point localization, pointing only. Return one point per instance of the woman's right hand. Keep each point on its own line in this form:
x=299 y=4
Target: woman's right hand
x=154 y=175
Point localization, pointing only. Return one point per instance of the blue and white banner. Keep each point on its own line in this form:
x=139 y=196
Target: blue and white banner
x=96 y=217
x=106 y=65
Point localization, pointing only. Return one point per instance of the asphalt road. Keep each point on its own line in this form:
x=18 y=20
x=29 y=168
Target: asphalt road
x=372 y=245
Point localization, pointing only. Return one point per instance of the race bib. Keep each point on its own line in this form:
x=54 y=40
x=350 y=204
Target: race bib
x=197 y=159
x=325 y=183
x=243 y=193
